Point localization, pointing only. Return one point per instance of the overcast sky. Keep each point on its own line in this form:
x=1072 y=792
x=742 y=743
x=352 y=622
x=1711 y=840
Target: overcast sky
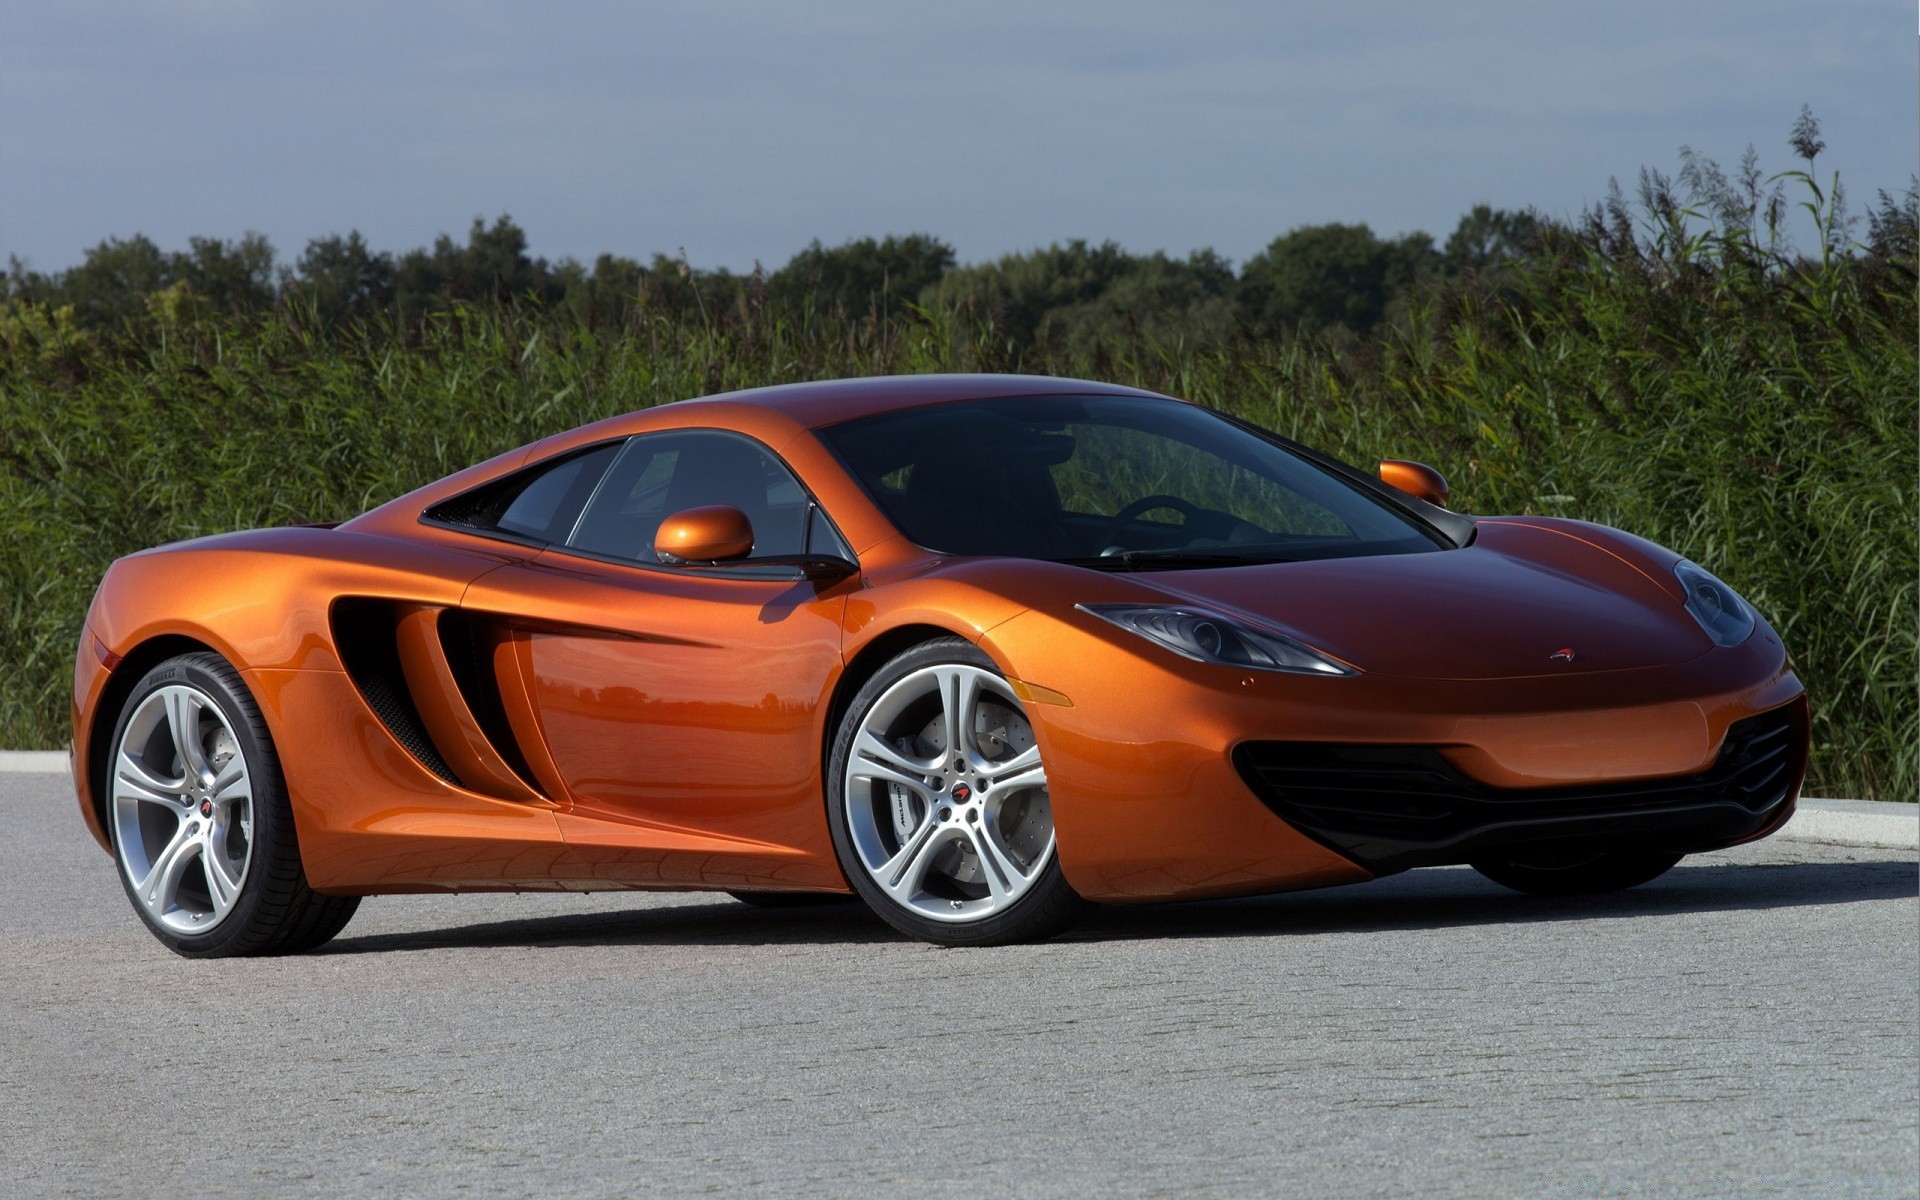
x=743 y=130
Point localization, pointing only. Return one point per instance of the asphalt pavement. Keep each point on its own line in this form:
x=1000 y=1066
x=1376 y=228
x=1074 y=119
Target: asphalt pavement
x=1749 y=1025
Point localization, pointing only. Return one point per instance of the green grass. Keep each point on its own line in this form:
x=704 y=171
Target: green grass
x=1759 y=421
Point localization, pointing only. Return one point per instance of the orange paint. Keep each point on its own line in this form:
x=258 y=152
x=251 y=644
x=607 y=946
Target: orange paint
x=712 y=533
x=1415 y=479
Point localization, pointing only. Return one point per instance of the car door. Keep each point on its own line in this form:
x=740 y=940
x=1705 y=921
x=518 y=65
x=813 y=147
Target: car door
x=678 y=709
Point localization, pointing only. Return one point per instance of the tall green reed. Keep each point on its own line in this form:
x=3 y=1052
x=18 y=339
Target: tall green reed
x=1756 y=414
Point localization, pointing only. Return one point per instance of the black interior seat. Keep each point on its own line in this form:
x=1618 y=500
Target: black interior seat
x=964 y=504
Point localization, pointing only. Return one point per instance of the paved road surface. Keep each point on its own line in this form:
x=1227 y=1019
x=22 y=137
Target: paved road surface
x=1746 y=1026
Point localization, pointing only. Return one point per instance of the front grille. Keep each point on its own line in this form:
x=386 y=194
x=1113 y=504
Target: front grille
x=1392 y=807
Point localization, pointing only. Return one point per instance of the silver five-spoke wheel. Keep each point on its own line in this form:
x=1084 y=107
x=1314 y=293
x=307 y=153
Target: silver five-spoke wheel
x=183 y=809
x=198 y=817
x=946 y=797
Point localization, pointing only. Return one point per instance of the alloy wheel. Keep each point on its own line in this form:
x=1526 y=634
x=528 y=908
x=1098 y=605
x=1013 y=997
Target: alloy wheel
x=183 y=809
x=946 y=796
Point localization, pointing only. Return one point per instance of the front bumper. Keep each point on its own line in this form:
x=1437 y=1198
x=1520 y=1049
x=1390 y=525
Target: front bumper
x=1154 y=798
x=1390 y=808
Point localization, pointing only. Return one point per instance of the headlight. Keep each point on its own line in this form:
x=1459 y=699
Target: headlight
x=1210 y=638
x=1721 y=612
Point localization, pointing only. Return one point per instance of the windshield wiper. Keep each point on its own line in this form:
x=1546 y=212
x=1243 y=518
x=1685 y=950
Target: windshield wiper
x=1172 y=560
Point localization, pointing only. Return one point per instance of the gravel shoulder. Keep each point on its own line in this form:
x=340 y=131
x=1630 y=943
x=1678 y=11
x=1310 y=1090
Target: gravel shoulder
x=1748 y=1025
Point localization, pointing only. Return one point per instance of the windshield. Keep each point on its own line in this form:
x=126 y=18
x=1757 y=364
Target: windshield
x=1111 y=482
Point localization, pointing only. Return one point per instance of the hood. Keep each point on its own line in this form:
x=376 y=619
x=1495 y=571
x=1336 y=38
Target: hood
x=1501 y=608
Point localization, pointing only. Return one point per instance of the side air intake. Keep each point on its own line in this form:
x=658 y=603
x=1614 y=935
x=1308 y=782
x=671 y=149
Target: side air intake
x=363 y=633
x=465 y=641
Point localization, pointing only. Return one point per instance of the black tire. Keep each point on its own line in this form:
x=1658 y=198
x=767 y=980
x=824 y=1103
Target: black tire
x=324 y=918
x=792 y=899
x=1049 y=904
x=273 y=911
x=1577 y=872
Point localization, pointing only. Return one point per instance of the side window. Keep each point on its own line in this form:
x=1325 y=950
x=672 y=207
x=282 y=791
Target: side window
x=539 y=503
x=823 y=539
x=664 y=473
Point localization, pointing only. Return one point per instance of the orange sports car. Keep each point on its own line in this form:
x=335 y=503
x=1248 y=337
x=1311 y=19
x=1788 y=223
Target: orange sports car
x=980 y=650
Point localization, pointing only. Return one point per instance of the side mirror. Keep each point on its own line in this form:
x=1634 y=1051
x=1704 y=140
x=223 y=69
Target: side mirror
x=1415 y=479
x=710 y=534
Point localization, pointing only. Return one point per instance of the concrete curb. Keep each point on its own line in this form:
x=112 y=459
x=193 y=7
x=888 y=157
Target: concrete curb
x=20 y=762
x=1877 y=824
x=1872 y=824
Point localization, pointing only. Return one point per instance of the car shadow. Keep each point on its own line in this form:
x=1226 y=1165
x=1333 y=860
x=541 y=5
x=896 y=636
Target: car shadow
x=1457 y=897
x=722 y=922
x=1444 y=898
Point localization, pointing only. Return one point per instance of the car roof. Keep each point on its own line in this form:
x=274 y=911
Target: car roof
x=831 y=401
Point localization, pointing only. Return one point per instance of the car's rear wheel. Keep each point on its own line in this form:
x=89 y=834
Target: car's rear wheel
x=1576 y=871
x=200 y=823
x=939 y=806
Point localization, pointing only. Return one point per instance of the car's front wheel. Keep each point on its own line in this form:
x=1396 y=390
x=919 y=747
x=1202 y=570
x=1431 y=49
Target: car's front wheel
x=200 y=823
x=1576 y=872
x=939 y=806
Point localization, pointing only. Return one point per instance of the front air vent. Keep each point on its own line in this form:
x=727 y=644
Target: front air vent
x=363 y=633
x=1393 y=807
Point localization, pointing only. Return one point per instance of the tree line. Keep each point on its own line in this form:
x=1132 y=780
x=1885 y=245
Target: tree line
x=1325 y=278
x=1315 y=276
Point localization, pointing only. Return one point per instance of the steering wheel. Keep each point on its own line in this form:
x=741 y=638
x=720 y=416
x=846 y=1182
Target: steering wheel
x=1146 y=504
